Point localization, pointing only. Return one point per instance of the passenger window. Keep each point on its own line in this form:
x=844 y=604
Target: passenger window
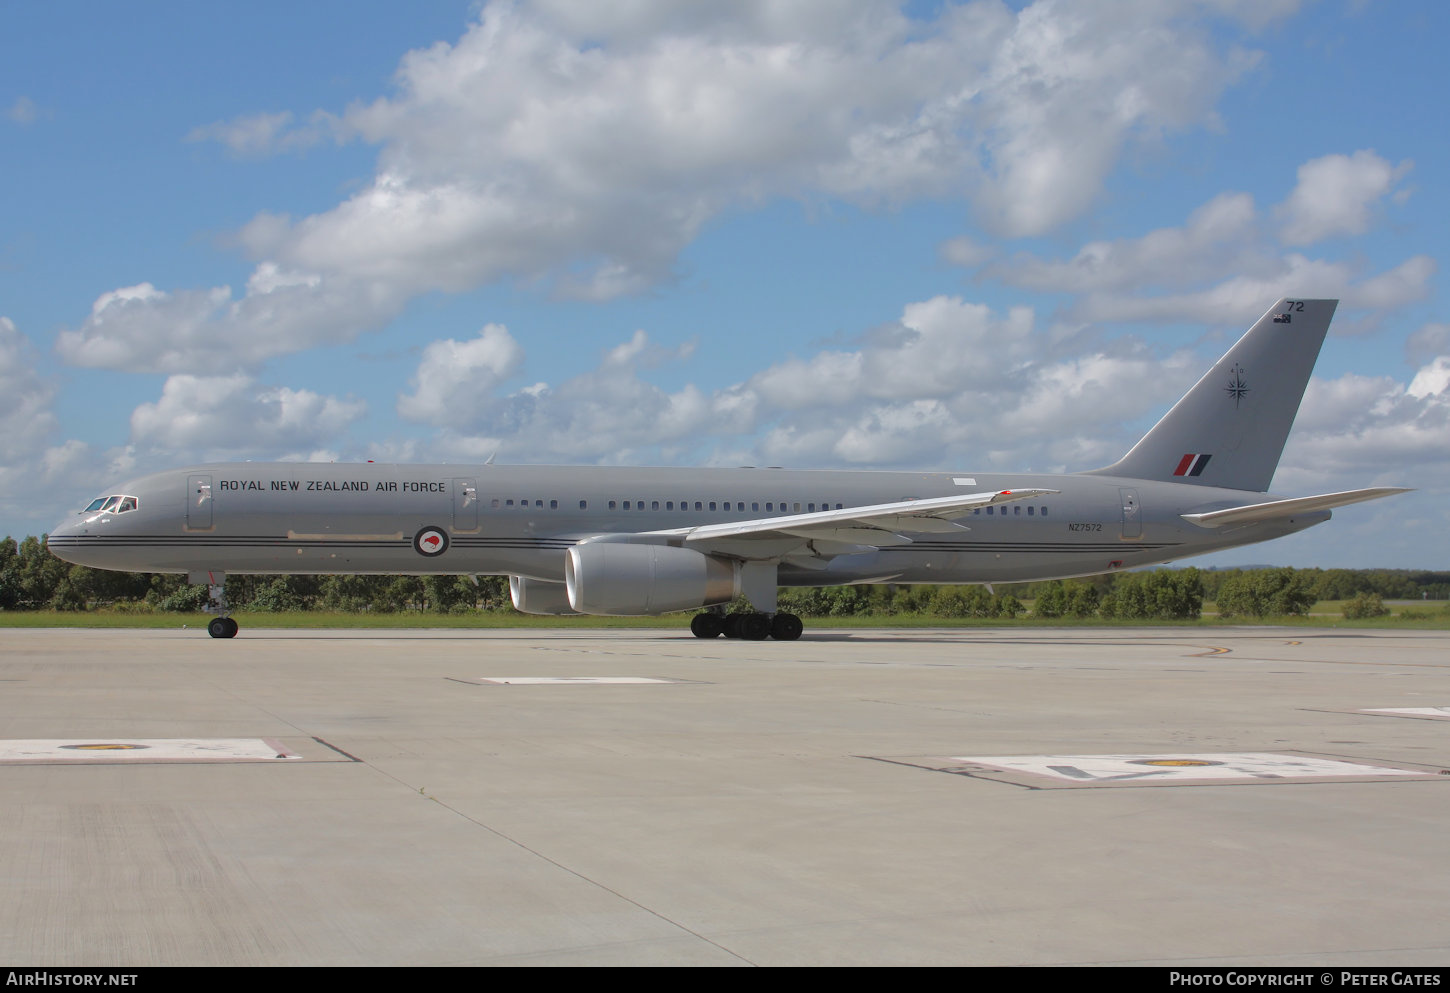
x=508 y=503
x=1044 y=511
x=1029 y=511
x=654 y=505
x=583 y=504
x=698 y=507
x=553 y=504
x=611 y=504
x=754 y=507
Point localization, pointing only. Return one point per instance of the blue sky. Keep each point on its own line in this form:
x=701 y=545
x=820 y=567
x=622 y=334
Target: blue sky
x=974 y=236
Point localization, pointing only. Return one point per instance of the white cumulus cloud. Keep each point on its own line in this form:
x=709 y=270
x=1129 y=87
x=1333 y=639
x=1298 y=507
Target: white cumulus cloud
x=1222 y=265
x=234 y=416
x=455 y=378
x=951 y=384
x=1337 y=195
x=36 y=472
x=580 y=150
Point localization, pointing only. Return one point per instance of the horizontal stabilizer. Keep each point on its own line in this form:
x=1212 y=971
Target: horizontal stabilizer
x=1277 y=509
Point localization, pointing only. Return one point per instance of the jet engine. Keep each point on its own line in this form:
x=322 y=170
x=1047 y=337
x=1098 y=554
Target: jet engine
x=623 y=579
x=536 y=596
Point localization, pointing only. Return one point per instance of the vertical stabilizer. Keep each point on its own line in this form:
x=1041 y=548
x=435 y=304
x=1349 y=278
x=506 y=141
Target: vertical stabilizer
x=1229 y=430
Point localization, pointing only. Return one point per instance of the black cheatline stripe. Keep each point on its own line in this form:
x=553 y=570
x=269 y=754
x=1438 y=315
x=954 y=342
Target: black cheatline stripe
x=283 y=543
x=509 y=541
x=568 y=543
x=220 y=539
x=1024 y=547
x=184 y=541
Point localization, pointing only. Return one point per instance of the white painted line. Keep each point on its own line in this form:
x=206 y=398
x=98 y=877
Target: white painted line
x=143 y=750
x=1437 y=713
x=1171 y=766
x=569 y=680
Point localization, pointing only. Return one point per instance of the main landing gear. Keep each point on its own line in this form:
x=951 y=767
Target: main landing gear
x=750 y=627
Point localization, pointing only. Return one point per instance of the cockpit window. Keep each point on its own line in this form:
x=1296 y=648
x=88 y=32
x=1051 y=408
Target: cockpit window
x=114 y=504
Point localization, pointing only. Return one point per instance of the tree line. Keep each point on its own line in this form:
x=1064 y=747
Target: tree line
x=31 y=578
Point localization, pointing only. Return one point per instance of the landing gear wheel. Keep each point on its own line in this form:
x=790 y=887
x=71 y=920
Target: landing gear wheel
x=754 y=627
x=222 y=627
x=707 y=625
x=786 y=627
x=731 y=625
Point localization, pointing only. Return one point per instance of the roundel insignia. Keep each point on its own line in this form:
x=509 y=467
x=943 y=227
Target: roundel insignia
x=430 y=541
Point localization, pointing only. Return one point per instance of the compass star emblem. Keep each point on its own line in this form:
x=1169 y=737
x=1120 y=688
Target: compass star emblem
x=1237 y=388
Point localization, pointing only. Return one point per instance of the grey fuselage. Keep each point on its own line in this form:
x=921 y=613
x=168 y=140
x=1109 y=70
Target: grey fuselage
x=367 y=518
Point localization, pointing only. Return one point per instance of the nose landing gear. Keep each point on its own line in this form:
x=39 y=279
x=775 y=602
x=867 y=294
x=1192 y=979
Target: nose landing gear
x=221 y=626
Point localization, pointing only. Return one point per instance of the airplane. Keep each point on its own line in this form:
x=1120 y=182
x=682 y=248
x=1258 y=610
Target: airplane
x=607 y=540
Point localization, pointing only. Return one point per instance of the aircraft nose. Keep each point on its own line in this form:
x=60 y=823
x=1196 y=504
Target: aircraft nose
x=62 y=540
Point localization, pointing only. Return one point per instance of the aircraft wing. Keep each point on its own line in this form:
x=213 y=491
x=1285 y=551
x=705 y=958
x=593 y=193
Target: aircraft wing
x=835 y=532
x=1275 y=509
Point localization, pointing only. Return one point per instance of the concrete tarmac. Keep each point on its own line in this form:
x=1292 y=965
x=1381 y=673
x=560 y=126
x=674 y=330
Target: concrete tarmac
x=827 y=801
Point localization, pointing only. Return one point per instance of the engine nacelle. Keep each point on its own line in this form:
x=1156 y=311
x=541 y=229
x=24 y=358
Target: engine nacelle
x=621 y=579
x=535 y=596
